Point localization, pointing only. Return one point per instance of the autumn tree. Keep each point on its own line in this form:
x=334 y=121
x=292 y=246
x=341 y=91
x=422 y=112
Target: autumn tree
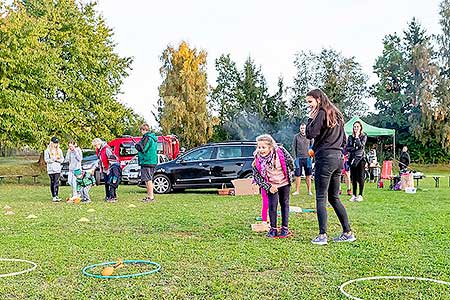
x=184 y=93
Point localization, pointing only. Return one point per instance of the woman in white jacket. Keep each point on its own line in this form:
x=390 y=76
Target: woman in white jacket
x=74 y=157
x=54 y=158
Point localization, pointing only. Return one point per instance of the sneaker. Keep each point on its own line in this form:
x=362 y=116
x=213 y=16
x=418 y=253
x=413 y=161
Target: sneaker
x=55 y=199
x=295 y=193
x=359 y=198
x=321 y=239
x=284 y=233
x=353 y=198
x=86 y=201
x=345 y=237
x=349 y=192
x=148 y=199
x=310 y=193
x=112 y=200
x=272 y=233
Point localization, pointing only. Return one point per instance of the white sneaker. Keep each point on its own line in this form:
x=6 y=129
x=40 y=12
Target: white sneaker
x=359 y=198
x=353 y=198
x=295 y=193
x=309 y=193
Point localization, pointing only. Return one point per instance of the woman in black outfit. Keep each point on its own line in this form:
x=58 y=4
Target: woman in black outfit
x=355 y=147
x=326 y=127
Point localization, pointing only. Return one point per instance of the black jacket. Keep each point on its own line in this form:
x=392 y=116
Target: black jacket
x=404 y=160
x=355 y=148
x=326 y=139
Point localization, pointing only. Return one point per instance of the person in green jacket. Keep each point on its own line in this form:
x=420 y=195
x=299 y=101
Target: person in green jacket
x=85 y=180
x=148 y=158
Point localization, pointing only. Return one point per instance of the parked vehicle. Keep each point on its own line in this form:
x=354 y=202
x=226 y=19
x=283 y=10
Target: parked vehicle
x=90 y=161
x=207 y=166
x=124 y=148
x=131 y=173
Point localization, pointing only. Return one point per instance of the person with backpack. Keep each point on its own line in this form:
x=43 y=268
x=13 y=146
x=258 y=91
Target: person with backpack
x=148 y=159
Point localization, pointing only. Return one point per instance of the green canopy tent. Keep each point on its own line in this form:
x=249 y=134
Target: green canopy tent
x=369 y=129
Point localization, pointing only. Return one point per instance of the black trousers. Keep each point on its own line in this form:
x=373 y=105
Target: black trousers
x=281 y=196
x=357 y=175
x=107 y=189
x=54 y=184
x=327 y=176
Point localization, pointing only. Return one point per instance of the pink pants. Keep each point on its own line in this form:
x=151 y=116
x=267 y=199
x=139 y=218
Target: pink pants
x=265 y=205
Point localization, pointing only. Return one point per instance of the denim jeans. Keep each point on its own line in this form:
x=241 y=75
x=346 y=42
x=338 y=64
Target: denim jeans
x=283 y=197
x=328 y=170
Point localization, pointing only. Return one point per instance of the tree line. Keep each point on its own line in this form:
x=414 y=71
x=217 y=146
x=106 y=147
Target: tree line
x=412 y=92
x=60 y=75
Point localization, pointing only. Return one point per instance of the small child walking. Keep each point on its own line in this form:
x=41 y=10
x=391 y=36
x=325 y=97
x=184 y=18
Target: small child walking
x=85 y=180
x=273 y=172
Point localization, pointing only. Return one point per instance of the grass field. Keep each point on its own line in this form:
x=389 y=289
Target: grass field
x=207 y=251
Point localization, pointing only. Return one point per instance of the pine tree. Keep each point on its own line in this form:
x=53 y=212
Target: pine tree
x=341 y=78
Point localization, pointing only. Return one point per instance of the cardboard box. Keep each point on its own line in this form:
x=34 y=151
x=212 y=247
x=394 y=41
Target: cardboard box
x=407 y=181
x=260 y=227
x=245 y=187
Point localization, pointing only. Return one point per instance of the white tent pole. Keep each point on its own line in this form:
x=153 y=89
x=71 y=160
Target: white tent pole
x=394 y=145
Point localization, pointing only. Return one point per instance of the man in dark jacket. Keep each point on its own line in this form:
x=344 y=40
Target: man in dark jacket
x=404 y=160
x=148 y=158
x=300 y=148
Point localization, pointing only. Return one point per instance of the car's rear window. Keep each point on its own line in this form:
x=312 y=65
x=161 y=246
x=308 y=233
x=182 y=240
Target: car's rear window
x=247 y=151
x=127 y=149
x=235 y=151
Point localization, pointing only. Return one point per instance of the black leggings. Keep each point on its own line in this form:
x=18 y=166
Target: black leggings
x=283 y=197
x=357 y=174
x=54 y=184
x=327 y=181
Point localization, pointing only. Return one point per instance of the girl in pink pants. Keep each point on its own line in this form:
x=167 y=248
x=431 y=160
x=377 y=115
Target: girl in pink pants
x=273 y=172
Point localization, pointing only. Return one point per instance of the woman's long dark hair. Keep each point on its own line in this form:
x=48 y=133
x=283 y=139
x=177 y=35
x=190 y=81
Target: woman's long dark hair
x=360 y=125
x=334 y=116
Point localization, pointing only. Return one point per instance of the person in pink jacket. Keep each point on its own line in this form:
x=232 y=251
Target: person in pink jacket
x=273 y=172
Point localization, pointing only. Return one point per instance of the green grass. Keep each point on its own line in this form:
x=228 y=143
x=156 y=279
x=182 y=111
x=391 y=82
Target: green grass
x=207 y=251
x=20 y=165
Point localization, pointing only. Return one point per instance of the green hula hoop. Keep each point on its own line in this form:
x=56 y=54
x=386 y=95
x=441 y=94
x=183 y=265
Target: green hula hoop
x=147 y=262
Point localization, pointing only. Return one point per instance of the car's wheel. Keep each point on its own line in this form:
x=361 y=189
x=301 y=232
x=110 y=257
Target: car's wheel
x=161 y=184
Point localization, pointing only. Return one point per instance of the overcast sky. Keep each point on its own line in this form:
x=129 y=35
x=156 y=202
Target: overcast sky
x=271 y=32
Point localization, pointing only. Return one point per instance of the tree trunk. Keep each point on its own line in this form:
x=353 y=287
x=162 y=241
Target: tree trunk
x=41 y=161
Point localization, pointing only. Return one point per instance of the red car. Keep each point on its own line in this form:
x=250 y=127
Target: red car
x=124 y=148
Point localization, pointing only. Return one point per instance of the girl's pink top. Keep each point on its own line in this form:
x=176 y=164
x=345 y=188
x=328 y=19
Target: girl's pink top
x=276 y=175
